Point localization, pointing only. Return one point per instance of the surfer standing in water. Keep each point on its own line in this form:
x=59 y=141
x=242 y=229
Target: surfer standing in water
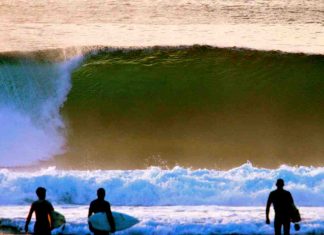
x=283 y=203
x=42 y=209
x=101 y=205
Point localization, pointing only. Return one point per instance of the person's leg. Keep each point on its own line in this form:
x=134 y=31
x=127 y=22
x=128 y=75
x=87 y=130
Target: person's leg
x=98 y=232
x=42 y=232
x=277 y=226
x=286 y=226
x=42 y=229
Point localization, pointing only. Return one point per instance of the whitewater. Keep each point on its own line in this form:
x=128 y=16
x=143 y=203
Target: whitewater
x=167 y=220
x=31 y=126
x=168 y=201
x=242 y=186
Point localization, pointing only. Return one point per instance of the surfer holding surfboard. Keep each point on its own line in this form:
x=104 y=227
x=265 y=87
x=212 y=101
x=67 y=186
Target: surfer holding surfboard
x=285 y=210
x=101 y=220
x=43 y=210
x=101 y=205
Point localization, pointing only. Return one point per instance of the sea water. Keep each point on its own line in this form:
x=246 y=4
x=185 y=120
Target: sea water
x=295 y=26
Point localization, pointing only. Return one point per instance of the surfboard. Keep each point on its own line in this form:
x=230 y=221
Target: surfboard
x=58 y=219
x=123 y=221
x=295 y=215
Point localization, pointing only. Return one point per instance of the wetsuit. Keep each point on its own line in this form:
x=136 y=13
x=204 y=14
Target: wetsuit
x=282 y=203
x=42 y=209
x=100 y=205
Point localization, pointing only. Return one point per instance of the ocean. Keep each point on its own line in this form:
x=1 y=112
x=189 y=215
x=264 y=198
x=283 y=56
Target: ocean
x=185 y=111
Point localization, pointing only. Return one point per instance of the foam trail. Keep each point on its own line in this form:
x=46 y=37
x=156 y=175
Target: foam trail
x=31 y=94
x=242 y=186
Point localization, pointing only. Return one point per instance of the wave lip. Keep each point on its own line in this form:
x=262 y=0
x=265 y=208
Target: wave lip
x=31 y=94
x=242 y=186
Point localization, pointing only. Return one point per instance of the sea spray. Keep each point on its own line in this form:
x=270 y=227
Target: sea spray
x=242 y=186
x=31 y=94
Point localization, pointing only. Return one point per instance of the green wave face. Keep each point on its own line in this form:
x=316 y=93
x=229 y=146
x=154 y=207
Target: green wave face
x=198 y=106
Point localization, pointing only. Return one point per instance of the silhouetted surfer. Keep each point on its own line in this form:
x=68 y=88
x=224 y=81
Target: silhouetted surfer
x=100 y=205
x=283 y=203
x=42 y=209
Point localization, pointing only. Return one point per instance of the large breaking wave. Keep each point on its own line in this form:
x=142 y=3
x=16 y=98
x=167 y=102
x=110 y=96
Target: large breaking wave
x=242 y=186
x=193 y=106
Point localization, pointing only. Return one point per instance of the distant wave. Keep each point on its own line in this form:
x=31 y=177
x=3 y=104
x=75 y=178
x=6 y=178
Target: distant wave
x=64 y=53
x=242 y=186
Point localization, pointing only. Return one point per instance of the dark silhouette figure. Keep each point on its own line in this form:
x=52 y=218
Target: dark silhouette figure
x=42 y=209
x=282 y=202
x=100 y=205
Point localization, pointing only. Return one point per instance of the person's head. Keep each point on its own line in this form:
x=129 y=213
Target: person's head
x=41 y=193
x=101 y=193
x=280 y=183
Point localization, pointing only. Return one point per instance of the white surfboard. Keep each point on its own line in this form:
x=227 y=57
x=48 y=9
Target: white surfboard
x=58 y=219
x=122 y=221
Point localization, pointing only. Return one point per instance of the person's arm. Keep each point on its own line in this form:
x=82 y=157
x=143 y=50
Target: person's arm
x=111 y=219
x=51 y=209
x=90 y=210
x=291 y=199
x=269 y=202
x=31 y=211
x=89 y=214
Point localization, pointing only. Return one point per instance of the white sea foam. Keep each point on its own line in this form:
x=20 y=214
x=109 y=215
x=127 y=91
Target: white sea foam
x=31 y=94
x=242 y=186
x=176 y=219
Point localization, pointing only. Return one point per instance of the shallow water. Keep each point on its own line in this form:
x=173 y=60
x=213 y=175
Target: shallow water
x=178 y=219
